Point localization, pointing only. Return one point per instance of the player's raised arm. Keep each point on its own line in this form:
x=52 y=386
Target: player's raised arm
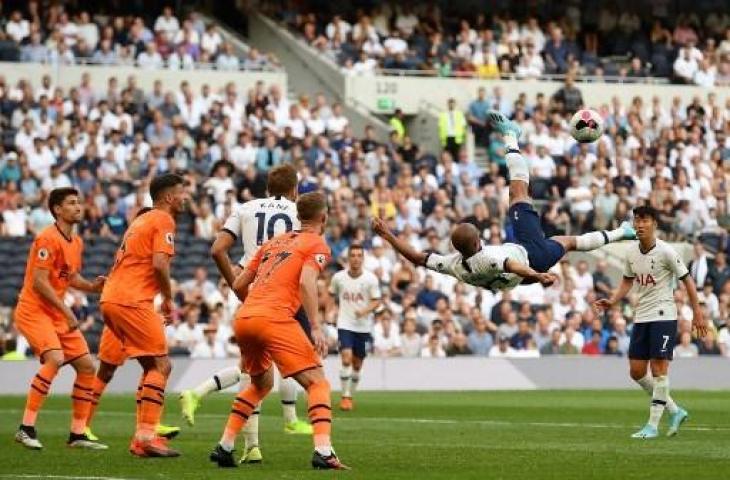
x=219 y=251
x=42 y=285
x=402 y=247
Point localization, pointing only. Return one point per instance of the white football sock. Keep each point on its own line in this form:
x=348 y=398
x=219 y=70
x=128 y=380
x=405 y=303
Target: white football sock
x=354 y=381
x=346 y=381
x=658 y=400
x=325 y=451
x=251 y=429
x=511 y=142
x=288 y=392
x=592 y=240
x=220 y=380
x=647 y=383
x=517 y=166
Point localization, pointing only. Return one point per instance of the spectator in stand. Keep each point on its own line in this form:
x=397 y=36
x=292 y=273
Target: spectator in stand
x=685 y=66
x=594 y=346
x=410 y=340
x=685 y=348
x=433 y=349
x=568 y=99
x=386 y=337
x=189 y=333
x=209 y=346
x=502 y=349
x=452 y=128
x=480 y=340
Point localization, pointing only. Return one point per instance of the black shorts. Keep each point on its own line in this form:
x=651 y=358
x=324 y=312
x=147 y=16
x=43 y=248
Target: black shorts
x=301 y=317
x=543 y=253
x=653 y=340
x=358 y=342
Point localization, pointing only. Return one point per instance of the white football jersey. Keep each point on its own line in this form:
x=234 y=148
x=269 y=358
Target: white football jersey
x=257 y=221
x=485 y=268
x=354 y=294
x=655 y=275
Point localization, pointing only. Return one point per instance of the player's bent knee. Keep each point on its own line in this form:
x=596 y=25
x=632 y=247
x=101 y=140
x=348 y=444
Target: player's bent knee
x=54 y=357
x=164 y=366
x=84 y=365
x=106 y=372
x=659 y=367
x=310 y=377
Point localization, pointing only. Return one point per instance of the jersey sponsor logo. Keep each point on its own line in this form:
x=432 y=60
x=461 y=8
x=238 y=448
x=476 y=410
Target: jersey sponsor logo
x=43 y=254
x=170 y=238
x=646 y=280
x=353 y=296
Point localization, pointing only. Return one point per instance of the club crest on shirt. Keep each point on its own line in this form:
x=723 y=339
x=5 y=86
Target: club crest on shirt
x=320 y=259
x=170 y=238
x=43 y=254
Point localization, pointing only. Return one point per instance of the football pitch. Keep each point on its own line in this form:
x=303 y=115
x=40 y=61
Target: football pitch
x=475 y=435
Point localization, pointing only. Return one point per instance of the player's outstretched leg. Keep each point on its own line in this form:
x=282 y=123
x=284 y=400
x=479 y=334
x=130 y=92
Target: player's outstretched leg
x=39 y=387
x=241 y=411
x=520 y=178
x=82 y=402
x=288 y=393
x=677 y=415
x=220 y=380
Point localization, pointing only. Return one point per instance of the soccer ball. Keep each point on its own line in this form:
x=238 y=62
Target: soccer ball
x=586 y=126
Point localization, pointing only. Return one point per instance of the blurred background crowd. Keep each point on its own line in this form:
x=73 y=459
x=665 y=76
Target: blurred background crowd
x=626 y=40
x=109 y=140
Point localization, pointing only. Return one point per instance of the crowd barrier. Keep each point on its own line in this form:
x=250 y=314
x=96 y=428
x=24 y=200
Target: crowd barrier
x=424 y=374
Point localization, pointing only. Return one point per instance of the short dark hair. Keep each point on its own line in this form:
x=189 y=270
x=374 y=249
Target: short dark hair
x=281 y=180
x=162 y=182
x=645 y=211
x=355 y=246
x=58 y=195
x=310 y=205
x=142 y=211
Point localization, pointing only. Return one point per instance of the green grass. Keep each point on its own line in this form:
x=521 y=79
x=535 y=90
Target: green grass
x=414 y=436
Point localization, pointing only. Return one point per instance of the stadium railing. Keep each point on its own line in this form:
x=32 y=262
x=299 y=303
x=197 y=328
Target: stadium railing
x=67 y=76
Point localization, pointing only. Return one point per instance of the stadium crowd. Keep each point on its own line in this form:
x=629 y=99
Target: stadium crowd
x=108 y=141
x=58 y=36
x=648 y=39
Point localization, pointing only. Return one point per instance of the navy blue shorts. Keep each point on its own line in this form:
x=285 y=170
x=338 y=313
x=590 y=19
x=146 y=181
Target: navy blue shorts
x=653 y=340
x=543 y=253
x=358 y=342
x=301 y=317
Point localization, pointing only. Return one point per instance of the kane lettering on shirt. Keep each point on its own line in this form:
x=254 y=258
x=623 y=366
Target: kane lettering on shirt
x=258 y=221
x=484 y=269
x=353 y=294
x=655 y=274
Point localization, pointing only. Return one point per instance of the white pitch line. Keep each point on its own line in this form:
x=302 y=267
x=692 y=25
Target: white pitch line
x=426 y=421
x=69 y=477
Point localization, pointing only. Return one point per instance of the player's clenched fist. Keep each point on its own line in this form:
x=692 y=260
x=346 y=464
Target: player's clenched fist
x=379 y=226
